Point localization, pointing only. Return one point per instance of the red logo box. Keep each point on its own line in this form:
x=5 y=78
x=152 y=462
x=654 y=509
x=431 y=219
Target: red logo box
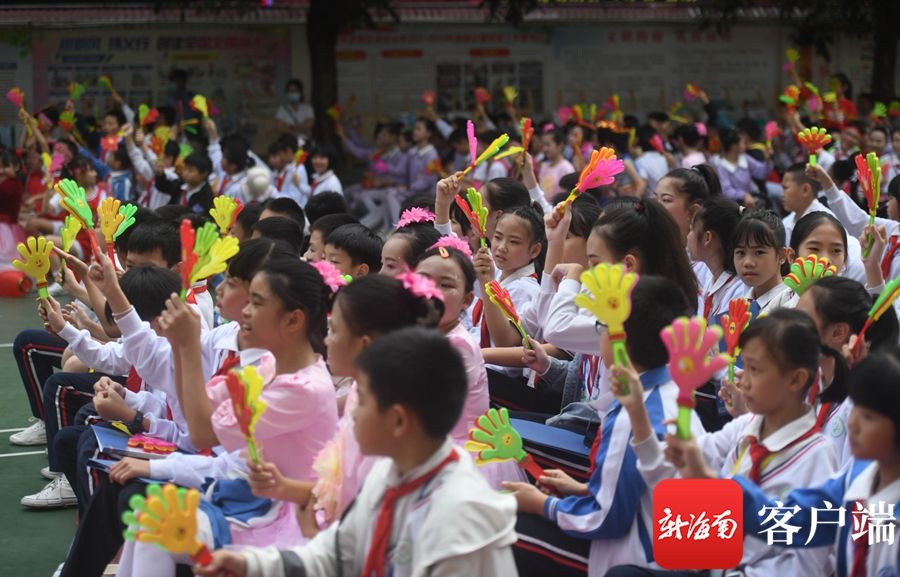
x=698 y=524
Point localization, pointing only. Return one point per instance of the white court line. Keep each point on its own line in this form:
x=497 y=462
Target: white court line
x=6 y=345
x=22 y=454
x=11 y=430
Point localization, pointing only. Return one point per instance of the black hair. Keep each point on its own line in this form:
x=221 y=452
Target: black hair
x=460 y=218
x=324 y=150
x=425 y=201
x=120 y=154
x=806 y=225
x=141 y=215
x=249 y=216
x=234 y=149
x=458 y=135
x=147 y=288
x=429 y=125
x=792 y=340
x=173 y=212
x=655 y=303
x=688 y=134
x=557 y=134
x=157 y=235
x=419 y=237
x=359 y=242
x=698 y=184
x=330 y=222
x=893 y=188
x=585 y=212
x=282 y=143
x=729 y=139
x=760 y=228
x=167 y=114
x=378 y=304
x=720 y=216
x=878 y=128
x=283 y=229
x=196 y=219
x=296 y=83
x=875 y=385
x=505 y=193
x=798 y=173
x=398 y=364
x=288 y=207
x=199 y=161
x=326 y=202
x=254 y=254
x=842 y=171
x=171 y=150
x=463 y=261
x=644 y=135
x=749 y=127
x=535 y=224
x=77 y=164
x=658 y=116
x=846 y=85
x=646 y=229
x=117 y=114
x=298 y=285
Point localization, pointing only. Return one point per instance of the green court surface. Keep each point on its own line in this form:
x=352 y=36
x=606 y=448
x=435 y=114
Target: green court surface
x=34 y=543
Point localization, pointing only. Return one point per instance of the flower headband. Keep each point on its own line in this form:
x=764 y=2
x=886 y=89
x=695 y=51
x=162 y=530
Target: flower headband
x=455 y=243
x=414 y=215
x=420 y=286
x=330 y=275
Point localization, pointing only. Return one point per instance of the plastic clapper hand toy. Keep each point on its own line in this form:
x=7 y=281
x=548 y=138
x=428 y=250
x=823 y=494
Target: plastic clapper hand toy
x=188 y=256
x=224 y=212
x=868 y=170
x=493 y=439
x=127 y=211
x=500 y=297
x=806 y=271
x=245 y=387
x=601 y=170
x=475 y=212
x=813 y=140
x=35 y=261
x=689 y=342
x=110 y=219
x=216 y=259
x=734 y=322
x=883 y=303
x=611 y=305
x=168 y=519
x=75 y=203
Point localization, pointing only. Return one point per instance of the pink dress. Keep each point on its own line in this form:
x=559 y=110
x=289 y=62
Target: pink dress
x=476 y=403
x=549 y=175
x=301 y=417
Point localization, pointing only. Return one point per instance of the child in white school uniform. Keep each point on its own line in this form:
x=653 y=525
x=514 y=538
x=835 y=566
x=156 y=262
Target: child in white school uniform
x=613 y=510
x=230 y=158
x=760 y=258
x=800 y=199
x=285 y=315
x=323 y=179
x=866 y=489
x=424 y=510
x=709 y=242
x=778 y=444
x=290 y=178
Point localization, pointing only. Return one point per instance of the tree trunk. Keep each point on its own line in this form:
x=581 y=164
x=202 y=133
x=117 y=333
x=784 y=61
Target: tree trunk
x=323 y=22
x=884 y=59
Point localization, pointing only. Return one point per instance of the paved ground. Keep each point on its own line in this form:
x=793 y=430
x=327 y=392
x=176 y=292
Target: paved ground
x=33 y=542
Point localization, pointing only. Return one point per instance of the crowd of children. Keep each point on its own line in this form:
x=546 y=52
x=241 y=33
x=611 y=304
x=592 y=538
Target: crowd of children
x=365 y=313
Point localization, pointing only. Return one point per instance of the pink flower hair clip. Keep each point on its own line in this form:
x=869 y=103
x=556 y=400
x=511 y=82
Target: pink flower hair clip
x=420 y=286
x=330 y=274
x=453 y=242
x=415 y=215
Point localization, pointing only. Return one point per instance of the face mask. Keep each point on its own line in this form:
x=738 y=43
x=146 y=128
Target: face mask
x=293 y=97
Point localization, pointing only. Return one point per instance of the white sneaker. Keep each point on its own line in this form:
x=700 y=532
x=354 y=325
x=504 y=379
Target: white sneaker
x=36 y=434
x=48 y=474
x=55 y=495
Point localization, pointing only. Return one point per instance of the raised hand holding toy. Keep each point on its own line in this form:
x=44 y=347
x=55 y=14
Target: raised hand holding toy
x=806 y=271
x=200 y=105
x=489 y=153
x=110 y=219
x=76 y=90
x=482 y=95
x=527 y=132
x=168 y=519
x=245 y=386
x=428 y=98
x=611 y=305
x=601 y=170
x=689 y=342
x=510 y=93
x=475 y=212
x=188 y=256
x=813 y=140
x=106 y=83
x=883 y=303
x=16 y=97
x=35 y=261
x=147 y=115
x=500 y=297
x=734 y=322
x=493 y=440
x=225 y=211
x=868 y=171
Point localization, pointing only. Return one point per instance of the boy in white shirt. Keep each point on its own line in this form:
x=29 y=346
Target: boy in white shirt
x=425 y=510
